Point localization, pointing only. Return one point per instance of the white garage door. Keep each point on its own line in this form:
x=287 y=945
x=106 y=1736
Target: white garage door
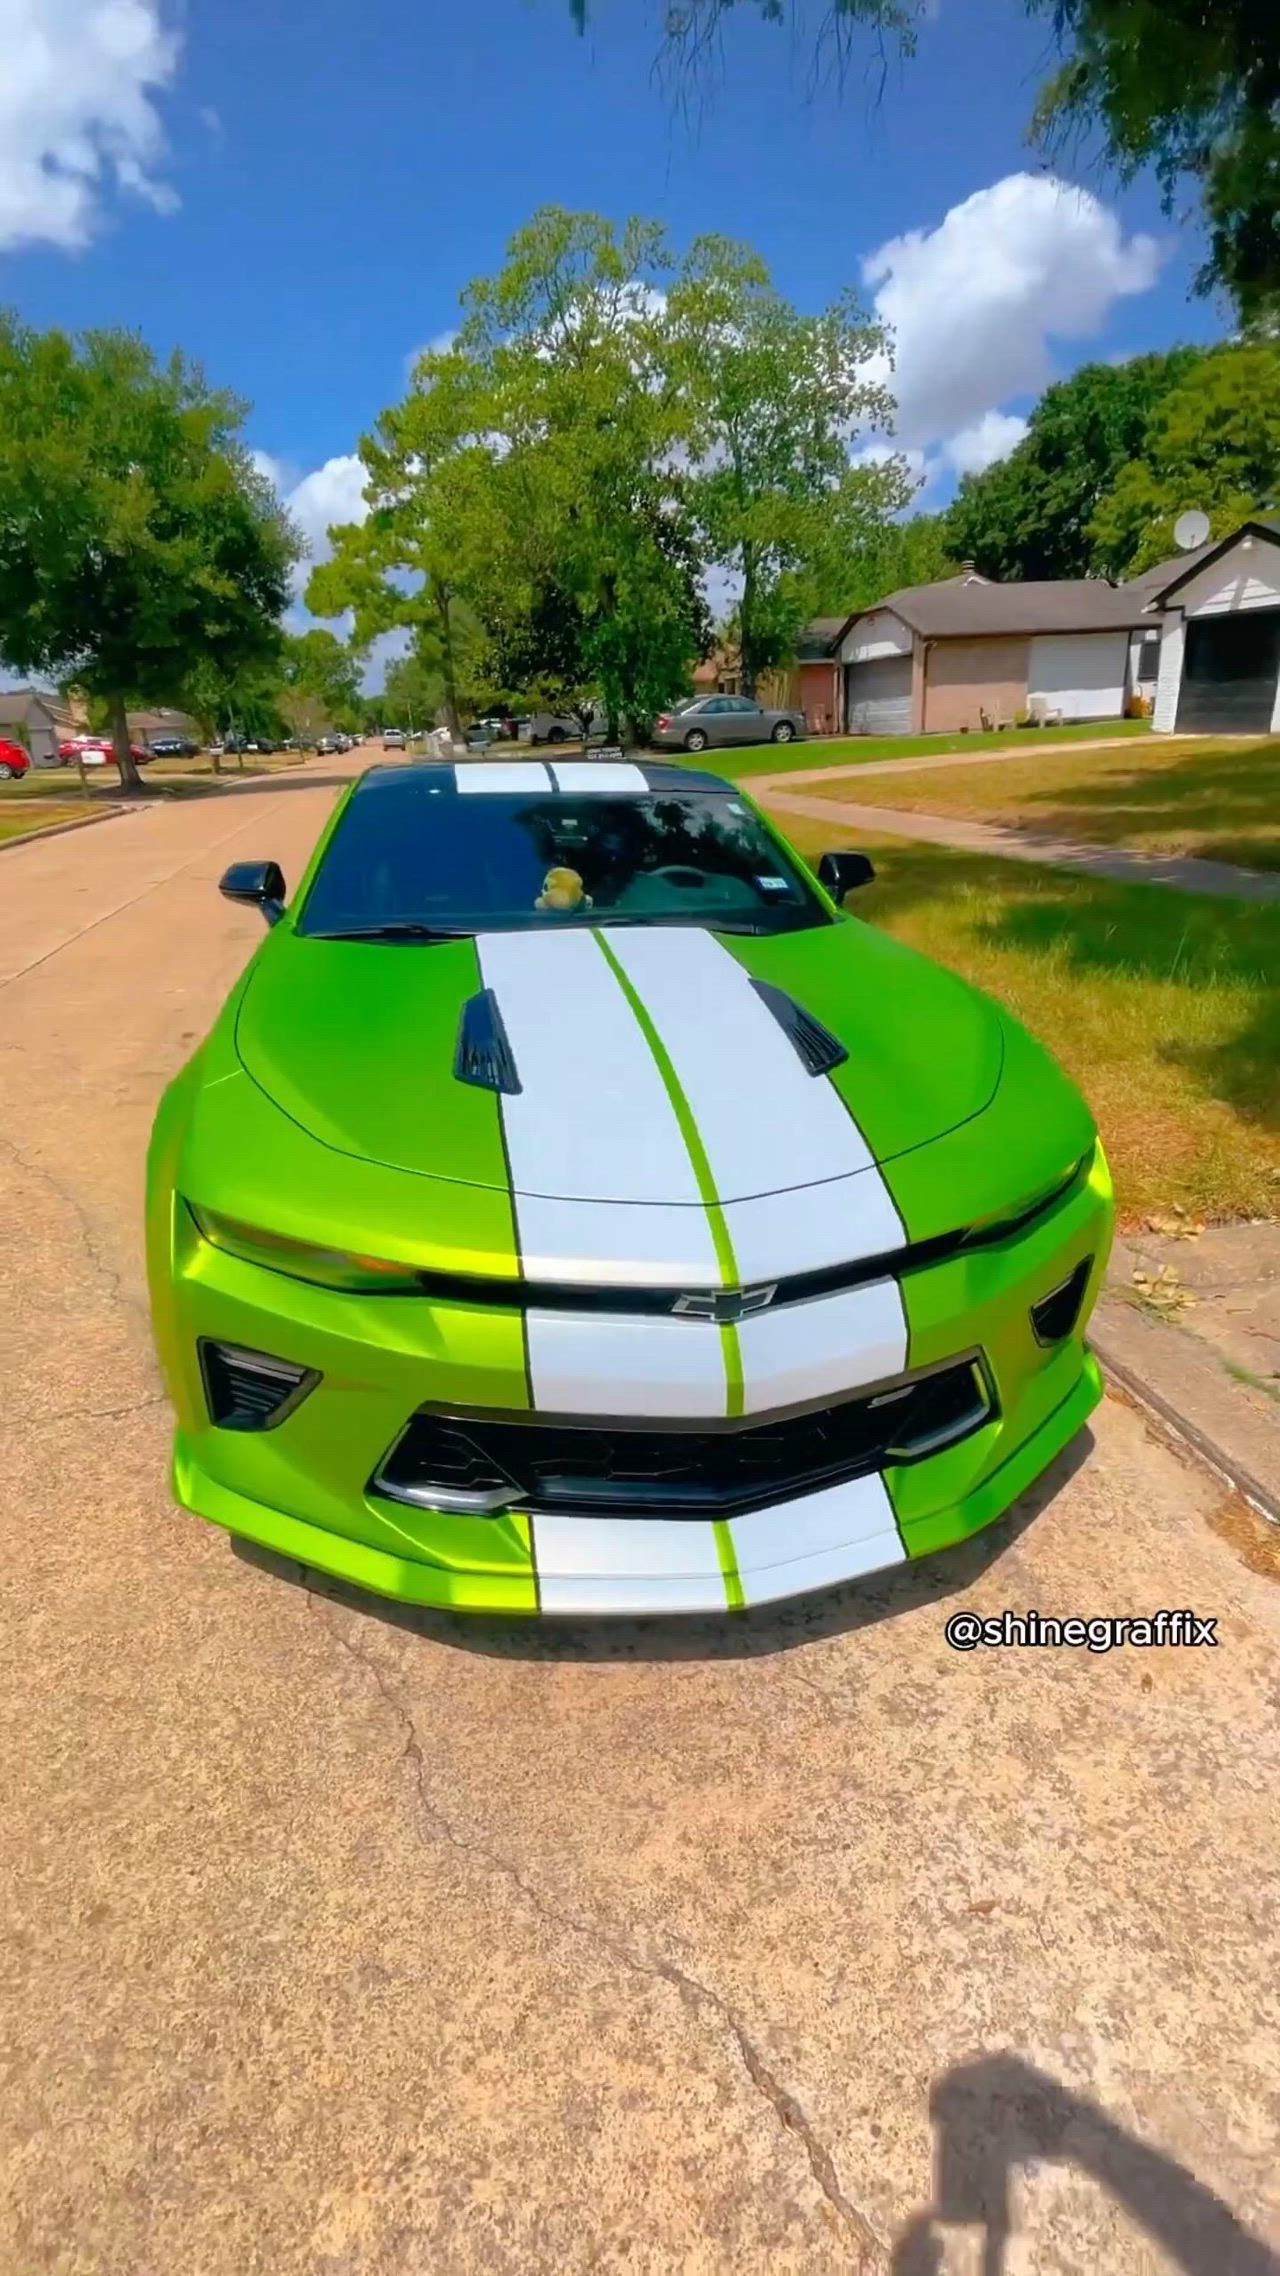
x=878 y=696
x=1080 y=675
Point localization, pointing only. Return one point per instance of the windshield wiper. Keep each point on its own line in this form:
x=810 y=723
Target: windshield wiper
x=403 y=931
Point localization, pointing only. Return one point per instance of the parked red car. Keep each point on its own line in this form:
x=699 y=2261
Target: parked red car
x=98 y=751
x=13 y=760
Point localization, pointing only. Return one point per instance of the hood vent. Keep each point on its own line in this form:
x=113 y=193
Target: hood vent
x=815 y=1046
x=484 y=1055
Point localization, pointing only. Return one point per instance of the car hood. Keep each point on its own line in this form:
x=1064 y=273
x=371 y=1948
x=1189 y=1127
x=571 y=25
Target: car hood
x=656 y=1064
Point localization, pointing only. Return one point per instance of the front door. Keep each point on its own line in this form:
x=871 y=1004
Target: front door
x=1229 y=674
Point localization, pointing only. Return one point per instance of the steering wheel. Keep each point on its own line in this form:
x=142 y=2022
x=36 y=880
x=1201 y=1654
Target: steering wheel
x=677 y=873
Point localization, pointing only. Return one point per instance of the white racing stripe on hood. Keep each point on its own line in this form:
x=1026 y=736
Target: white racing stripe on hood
x=592 y=1120
x=604 y=1244
x=816 y=1225
x=766 y=1123
x=837 y=1534
x=501 y=775
x=627 y=1564
x=596 y=774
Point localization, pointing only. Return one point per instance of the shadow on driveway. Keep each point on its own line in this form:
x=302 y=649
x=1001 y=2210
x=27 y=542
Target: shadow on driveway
x=997 y=2114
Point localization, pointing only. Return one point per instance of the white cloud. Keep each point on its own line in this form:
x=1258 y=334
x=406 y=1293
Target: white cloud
x=78 y=81
x=990 y=438
x=438 y=345
x=975 y=304
x=317 y=502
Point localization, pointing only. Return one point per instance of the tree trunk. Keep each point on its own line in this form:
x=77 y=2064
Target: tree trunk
x=746 y=622
x=447 y=670
x=130 y=779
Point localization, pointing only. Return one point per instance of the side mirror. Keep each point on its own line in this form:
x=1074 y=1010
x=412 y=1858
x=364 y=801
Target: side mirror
x=842 y=873
x=258 y=884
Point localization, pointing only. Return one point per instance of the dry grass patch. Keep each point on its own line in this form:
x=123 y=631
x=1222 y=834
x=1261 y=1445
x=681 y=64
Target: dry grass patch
x=1219 y=800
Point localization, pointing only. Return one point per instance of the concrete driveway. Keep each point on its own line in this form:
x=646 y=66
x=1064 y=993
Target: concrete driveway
x=343 y=1943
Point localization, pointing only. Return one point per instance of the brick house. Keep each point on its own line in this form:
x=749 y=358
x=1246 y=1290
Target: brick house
x=967 y=654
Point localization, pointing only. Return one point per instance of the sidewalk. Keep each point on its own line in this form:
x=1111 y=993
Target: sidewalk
x=930 y=762
x=1185 y=872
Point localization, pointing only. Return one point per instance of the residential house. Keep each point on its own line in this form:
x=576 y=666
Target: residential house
x=968 y=653
x=1218 y=613
x=144 y=726
x=39 y=719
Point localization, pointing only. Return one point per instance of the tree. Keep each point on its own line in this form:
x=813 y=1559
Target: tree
x=403 y=567
x=1189 y=87
x=587 y=504
x=321 y=682
x=774 y=402
x=139 y=547
x=888 y=559
x=1031 y=515
x=1214 y=443
x=1192 y=88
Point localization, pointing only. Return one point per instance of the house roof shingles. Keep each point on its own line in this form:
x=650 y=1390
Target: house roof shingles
x=967 y=608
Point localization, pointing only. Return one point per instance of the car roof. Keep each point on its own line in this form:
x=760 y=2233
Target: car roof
x=510 y=777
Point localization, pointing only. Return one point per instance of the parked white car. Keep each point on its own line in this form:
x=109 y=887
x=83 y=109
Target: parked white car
x=557 y=727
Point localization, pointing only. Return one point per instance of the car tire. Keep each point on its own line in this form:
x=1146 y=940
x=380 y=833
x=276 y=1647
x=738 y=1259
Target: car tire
x=6 y=771
x=696 y=739
x=784 y=732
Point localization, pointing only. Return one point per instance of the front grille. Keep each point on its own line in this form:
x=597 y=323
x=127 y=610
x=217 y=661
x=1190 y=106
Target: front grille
x=700 y=1470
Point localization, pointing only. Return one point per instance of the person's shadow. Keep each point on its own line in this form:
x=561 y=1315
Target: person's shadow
x=998 y=2113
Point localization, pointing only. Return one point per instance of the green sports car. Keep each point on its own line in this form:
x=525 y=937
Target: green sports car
x=573 y=1210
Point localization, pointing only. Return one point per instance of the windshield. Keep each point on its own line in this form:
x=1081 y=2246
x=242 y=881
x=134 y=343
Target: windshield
x=416 y=854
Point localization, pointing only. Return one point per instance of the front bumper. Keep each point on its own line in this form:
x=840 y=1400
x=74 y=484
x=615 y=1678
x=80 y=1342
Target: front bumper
x=303 y=1489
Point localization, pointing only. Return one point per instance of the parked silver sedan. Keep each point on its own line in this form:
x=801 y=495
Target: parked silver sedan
x=718 y=722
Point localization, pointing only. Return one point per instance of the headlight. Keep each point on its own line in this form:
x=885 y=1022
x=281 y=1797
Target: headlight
x=302 y=1260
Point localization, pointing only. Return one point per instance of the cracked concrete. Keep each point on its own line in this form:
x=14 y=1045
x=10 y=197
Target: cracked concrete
x=344 y=1941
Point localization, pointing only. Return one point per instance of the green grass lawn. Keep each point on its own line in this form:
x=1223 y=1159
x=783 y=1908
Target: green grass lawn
x=1218 y=800
x=1165 y=1008
x=856 y=750
x=36 y=814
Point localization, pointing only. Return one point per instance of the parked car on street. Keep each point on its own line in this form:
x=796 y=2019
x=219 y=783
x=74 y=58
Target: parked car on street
x=173 y=747
x=558 y=727
x=393 y=738
x=15 y=759
x=719 y=722
x=98 y=751
x=327 y=746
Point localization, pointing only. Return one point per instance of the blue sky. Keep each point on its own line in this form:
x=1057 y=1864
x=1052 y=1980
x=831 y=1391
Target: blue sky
x=297 y=195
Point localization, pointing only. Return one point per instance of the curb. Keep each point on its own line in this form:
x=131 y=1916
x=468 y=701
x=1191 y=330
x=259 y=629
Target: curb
x=59 y=829
x=1180 y=1385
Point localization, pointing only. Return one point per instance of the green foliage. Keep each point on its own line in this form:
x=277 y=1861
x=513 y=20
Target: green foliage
x=1213 y=442
x=888 y=560
x=589 y=536
x=140 y=551
x=321 y=682
x=1030 y=516
x=1191 y=88
x=772 y=403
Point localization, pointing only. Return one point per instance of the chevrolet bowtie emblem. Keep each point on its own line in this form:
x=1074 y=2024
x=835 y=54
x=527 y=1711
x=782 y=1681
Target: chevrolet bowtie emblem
x=725 y=1305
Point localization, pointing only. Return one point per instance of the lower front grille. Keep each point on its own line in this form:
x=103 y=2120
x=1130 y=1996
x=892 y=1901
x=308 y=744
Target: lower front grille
x=484 y=1463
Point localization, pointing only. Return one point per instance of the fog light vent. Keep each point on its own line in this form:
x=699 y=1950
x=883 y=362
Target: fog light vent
x=1056 y=1314
x=249 y=1390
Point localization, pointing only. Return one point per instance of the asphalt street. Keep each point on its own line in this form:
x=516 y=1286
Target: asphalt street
x=344 y=1942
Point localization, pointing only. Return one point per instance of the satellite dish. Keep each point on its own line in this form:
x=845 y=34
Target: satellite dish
x=1191 y=530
